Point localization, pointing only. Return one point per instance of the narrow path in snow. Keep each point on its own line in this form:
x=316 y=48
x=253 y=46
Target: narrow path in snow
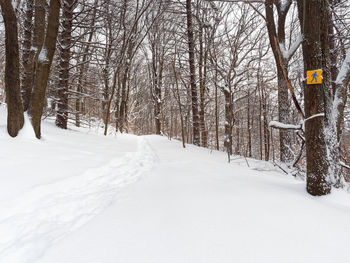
x=46 y=214
x=194 y=207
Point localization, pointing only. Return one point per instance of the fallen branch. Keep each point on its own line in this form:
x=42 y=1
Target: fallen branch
x=275 y=164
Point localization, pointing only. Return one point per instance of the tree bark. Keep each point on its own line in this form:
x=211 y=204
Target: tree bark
x=43 y=67
x=64 y=65
x=283 y=101
x=83 y=68
x=28 y=55
x=123 y=102
x=228 y=120
x=249 y=146
x=202 y=83
x=194 y=96
x=314 y=22
x=157 y=69
x=15 y=118
x=216 y=115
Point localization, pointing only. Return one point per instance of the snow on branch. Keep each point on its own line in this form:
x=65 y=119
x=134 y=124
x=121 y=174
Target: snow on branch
x=284 y=4
x=344 y=73
x=283 y=126
x=43 y=55
x=287 y=54
x=315 y=116
x=342 y=164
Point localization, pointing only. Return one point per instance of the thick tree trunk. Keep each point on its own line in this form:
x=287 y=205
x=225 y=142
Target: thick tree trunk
x=194 y=97
x=43 y=67
x=38 y=38
x=15 y=118
x=336 y=97
x=314 y=23
x=39 y=25
x=64 y=65
x=28 y=55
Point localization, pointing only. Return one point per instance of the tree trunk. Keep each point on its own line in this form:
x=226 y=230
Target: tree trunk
x=117 y=102
x=266 y=126
x=28 y=55
x=43 y=67
x=194 y=97
x=156 y=92
x=202 y=83
x=314 y=21
x=109 y=103
x=283 y=101
x=216 y=115
x=260 y=120
x=83 y=67
x=228 y=121
x=123 y=102
x=249 y=146
x=64 y=65
x=15 y=118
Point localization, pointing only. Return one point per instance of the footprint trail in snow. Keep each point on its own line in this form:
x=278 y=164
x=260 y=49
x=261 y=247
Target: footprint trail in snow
x=48 y=213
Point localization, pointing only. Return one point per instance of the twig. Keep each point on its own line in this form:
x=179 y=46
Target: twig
x=275 y=164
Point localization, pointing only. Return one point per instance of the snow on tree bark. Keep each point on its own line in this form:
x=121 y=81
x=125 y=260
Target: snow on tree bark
x=64 y=65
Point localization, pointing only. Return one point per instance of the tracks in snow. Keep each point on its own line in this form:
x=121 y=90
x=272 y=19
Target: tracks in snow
x=46 y=214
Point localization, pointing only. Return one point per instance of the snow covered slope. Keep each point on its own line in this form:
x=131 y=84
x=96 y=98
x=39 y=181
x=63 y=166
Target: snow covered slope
x=81 y=198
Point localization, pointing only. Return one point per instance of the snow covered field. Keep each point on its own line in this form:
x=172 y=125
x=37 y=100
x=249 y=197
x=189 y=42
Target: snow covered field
x=83 y=198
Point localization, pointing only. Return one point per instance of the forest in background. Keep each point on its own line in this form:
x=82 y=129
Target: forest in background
x=227 y=75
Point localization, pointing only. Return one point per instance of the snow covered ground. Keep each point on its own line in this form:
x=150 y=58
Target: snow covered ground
x=83 y=198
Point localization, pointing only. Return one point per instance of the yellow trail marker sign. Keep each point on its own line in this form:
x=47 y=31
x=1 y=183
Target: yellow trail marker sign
x=314 y=77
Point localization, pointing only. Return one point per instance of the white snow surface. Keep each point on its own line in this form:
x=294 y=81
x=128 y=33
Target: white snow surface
x=76 y=196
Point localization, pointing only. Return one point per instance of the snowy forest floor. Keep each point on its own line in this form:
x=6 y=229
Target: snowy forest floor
x=79 y=197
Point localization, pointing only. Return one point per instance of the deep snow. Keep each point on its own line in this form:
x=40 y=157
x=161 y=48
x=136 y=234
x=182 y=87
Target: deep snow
x=76 y=196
